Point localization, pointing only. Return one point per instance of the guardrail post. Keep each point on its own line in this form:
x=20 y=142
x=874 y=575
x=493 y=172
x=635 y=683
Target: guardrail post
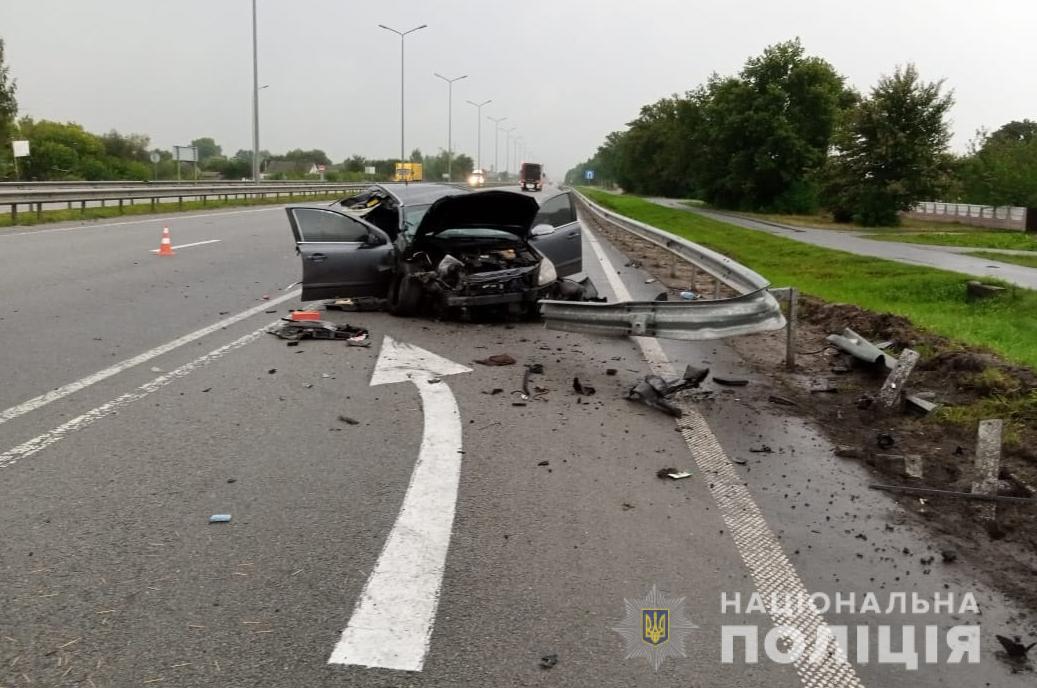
x=82 y=208
x=153 y=202
x=120 y=206
x=790 y=329
x=716 y=287
x=14 y=213
x=70 y=205
x=205 y=200
x=39 y=212
x=180 y=202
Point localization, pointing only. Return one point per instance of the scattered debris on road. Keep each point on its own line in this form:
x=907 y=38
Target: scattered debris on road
x=730 y=381
x=672 y=474
x=349 y=420
x=778 y=399
x=549 y=661
x=219 y=518
x=654 y=391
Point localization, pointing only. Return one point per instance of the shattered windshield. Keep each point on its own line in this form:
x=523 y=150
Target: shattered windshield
x=412 y=218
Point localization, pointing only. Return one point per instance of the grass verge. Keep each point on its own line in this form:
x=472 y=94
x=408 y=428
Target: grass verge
x=28 y=218
x=825 y=221
x=932 y=299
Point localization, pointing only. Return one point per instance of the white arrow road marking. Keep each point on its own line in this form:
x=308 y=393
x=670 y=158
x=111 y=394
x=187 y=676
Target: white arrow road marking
x=392 y=621
x=197 y=243
x=73 y=387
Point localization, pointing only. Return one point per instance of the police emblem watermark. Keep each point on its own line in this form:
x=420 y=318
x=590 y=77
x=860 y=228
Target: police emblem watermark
x=655 y=627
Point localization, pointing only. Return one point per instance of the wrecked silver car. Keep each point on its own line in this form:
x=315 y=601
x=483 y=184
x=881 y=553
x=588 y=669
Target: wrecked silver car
x=438 y=248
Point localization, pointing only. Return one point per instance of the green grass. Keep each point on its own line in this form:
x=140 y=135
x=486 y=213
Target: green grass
x=970 y=239
x=932 y=299
x=28 y=218
x=1026 y=261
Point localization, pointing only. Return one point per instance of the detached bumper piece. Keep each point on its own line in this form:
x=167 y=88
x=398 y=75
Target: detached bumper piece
x=296 y=330
x=750 y=313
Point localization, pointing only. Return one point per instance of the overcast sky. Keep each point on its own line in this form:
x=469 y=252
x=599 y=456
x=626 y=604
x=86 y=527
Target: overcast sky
x=564 y=72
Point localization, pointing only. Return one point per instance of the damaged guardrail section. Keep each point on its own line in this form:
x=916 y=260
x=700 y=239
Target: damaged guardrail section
x=753 y=310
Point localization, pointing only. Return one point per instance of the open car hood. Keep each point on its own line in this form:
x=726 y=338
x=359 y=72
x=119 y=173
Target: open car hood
x=504 y=210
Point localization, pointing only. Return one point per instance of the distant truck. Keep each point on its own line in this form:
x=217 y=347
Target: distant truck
x=531 y=176
x=408 y=172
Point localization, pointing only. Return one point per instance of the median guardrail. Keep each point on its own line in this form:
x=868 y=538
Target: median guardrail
x=36 y=198
x=752 y=310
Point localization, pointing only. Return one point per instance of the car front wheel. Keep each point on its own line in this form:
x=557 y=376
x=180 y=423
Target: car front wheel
x=405 y=296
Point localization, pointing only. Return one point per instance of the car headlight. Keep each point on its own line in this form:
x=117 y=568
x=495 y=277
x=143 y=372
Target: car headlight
x=548 y=274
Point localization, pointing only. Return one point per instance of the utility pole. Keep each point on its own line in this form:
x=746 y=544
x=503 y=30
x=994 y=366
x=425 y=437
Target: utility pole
x=496 y=142
x=450 y=122
x=478 y=119
x=255 y=103
x=402 y=35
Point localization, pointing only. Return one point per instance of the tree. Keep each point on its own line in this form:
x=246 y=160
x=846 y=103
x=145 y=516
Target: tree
x=891 y=150
x=8 y=111
x=207 y=148
x=1001 y=168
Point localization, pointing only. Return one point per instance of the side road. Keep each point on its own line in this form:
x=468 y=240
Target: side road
x=945 y=258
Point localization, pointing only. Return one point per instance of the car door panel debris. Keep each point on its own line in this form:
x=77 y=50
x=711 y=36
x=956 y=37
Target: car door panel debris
x=321 y=329
x=654 y=391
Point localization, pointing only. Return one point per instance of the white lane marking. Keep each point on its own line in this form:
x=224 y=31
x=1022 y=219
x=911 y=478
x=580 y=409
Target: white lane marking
x=36 y=444
x=759 y=548
x=9 y=232
x=73 y=387
x=196 y=243
x=392 y=622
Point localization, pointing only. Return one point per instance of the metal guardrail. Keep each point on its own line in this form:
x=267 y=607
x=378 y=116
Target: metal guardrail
x=35 y=199
x=753 y=310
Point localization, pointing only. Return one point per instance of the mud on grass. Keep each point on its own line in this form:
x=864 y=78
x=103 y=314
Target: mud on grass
x=969 y=383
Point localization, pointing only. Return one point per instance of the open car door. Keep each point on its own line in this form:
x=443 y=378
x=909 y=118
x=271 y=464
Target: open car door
x=563 y=244
x=342 y=256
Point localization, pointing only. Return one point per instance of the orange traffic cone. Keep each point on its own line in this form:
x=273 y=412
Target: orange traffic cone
x=165 y=247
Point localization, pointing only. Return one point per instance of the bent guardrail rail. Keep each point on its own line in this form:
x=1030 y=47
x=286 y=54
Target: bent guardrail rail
x=753 y=310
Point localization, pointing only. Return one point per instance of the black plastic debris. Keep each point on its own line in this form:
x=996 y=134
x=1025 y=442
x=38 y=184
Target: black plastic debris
x=885 y=440
x=778 y=399
x=497 y=360
x=654 y=391
x=349 y=420
x=582 y=389
x=548 y=661
x=762 y=449
x=610 y=371
x=730 y=381
x=295 y=330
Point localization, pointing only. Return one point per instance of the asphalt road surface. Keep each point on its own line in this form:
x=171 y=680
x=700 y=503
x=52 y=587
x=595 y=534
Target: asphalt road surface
x=140 y=396
x=942 y=257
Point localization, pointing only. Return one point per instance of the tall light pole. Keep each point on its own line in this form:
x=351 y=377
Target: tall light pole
x=496 y=141
x=403 y=111
x=478 y=119
x=255 y=99
x=450 y=122
x=507 y=149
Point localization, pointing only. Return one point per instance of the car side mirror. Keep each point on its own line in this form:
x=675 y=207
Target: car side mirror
x=542 y=230
x=373 y=240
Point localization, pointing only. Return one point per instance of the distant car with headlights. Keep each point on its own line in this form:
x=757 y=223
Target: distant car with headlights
x=476 y=179
x=435 y=248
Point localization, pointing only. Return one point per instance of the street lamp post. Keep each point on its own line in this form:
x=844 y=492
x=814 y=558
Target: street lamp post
x=507 y=149
x=255 y=100
x=496 y=142
x=450 y=122
x=478 y=119
x=402 y=35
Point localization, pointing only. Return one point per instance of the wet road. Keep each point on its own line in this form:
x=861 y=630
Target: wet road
x=141 y=396
x=943 y=257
